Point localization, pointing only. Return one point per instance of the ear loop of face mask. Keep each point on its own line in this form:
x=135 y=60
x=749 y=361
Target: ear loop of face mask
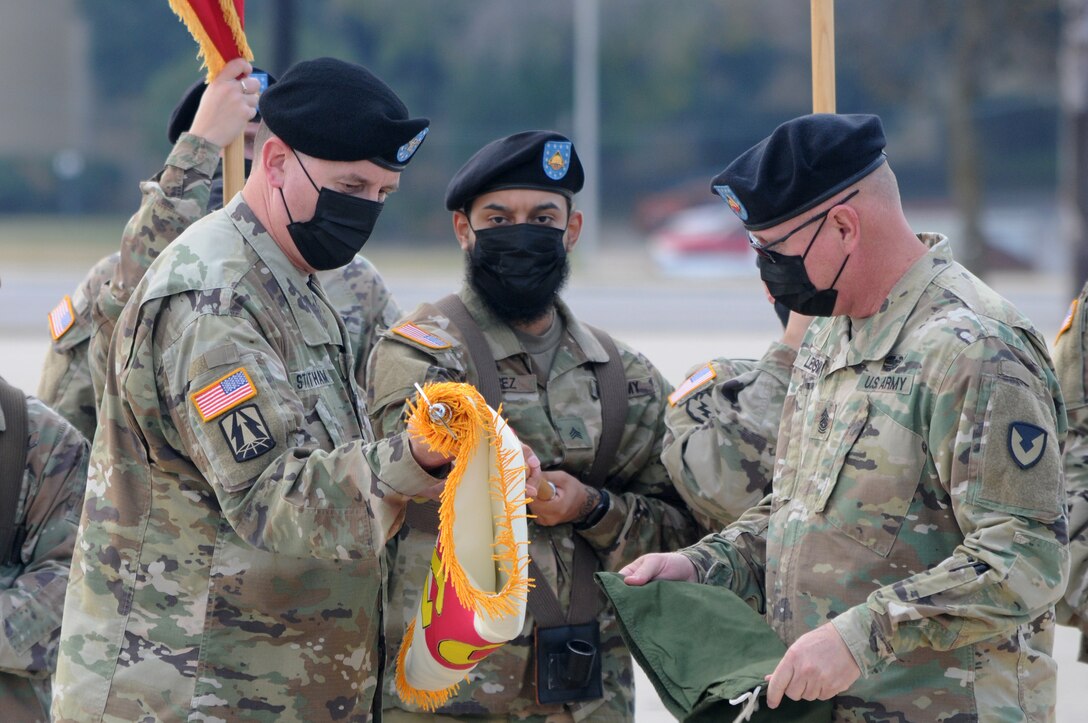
x=308 y=178
x=813 y=241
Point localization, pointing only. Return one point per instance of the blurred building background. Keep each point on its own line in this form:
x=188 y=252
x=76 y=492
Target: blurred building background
x=969 y=92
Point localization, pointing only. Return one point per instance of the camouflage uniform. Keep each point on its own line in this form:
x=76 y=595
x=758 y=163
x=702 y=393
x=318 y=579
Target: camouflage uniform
x=213 y=580
x=1069 y=362
x=561 y=422
x=65 y=384
x=170 y=203
x=720 y=445
x=32 y=590
x=909 y=509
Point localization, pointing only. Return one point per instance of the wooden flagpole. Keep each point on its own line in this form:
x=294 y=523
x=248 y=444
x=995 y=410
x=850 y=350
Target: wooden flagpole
x=823 y=56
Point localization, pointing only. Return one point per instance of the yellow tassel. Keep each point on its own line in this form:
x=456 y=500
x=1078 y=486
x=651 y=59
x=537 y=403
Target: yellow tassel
x=468 y=417
x=206 y=52
x=428 y=700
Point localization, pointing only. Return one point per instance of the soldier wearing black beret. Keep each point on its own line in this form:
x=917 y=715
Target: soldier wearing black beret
x=917 y=519
x=241 y=467
x=509 y=332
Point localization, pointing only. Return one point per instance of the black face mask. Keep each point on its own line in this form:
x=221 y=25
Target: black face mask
x=788 y=282
x=518 y=269
x=341 y=224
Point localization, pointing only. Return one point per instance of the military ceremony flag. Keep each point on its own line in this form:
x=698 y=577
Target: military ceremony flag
x=218 y=26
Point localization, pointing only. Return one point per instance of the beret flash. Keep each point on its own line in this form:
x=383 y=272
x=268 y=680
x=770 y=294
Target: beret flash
x=339 y=111
x=181 y=118
x=544 y=160
x=801 y=164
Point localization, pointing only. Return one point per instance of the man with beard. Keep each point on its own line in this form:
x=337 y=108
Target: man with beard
x=229 y=559
x=593 y=411
x=208 y=116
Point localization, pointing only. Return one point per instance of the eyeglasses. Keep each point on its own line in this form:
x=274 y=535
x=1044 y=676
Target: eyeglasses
x=763 y=250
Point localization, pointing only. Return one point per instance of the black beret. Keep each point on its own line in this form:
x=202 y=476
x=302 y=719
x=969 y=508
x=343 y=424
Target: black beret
x=339 y=111
x=802 y=164
x=532 y=159
x=181 y=118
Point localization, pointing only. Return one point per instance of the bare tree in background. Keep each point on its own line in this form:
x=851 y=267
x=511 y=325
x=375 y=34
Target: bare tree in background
x=1073 y=155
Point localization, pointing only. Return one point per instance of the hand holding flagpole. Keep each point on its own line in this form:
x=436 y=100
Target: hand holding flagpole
x=218 y=27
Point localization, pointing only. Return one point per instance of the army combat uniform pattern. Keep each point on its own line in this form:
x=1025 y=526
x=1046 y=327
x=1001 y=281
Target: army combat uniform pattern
x=75 y=366
x=917 y=504
x=561 y=421
x=229 y=558
x=65 y=384
x=1072 y=369
x=32 y=584
x=722 y=430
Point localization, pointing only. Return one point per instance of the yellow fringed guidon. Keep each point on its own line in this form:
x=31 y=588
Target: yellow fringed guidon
x=475 y=595
x=218 y=26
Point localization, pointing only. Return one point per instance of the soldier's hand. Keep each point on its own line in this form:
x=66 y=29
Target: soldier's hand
x=426 y=457
x=227 y=105
x=659 y=566
x=567 y=502
x=818 y=666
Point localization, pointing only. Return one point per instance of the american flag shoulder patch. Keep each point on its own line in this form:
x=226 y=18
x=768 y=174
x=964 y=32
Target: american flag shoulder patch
x=701 y=376
x=1068 y=323
x=223 y=394
x=414 y=333
x=61 y=317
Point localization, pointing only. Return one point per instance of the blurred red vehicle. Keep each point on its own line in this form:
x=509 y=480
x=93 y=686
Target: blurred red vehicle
x=704 y=240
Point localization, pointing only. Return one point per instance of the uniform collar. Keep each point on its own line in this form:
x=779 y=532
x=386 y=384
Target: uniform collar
x=504 y=343
x=306 y=307
x=872 y=338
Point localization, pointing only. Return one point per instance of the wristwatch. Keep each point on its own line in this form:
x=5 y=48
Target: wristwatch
x=598 y=511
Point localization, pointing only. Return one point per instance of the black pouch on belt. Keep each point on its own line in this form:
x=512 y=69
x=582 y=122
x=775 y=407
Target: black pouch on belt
x=568 y=663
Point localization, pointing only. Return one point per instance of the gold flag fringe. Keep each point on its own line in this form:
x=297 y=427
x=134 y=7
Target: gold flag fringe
x=468 y=418
x=207 y=53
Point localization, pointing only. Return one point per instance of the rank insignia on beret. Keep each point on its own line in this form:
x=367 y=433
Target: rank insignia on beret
x=1067 y=324
x=703 y=375
x=246 y=433
x=730 y=197
x=556 y=159
x=1026 y=444
x=224 y=394
x=61 y=318
x=414 y=333
x=408 y=149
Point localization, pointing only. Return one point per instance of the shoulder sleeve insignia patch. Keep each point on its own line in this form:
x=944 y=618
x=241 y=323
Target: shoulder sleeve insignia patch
x=61 y=318
x=423 y=338
x=702 y=376
x=1068 y=323
x=246 y=433
x=223 y=394
x=1026 y=444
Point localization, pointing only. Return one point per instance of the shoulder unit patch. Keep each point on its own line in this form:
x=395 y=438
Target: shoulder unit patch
x=423 y=338
x=61 y=318
x=246 y=433
x=223 y=394
x=701 y=376
x=1027 y=442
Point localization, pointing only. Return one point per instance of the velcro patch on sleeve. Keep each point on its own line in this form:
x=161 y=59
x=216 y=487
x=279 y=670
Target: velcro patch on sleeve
x=702 y=375
x=223 y=394
x=1068 y=323
x=421 y=337
x=61 y=318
